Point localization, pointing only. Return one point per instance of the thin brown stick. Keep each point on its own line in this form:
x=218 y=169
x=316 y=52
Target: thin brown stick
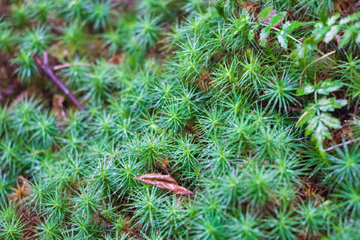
x=325 y=56
x=113 y=155
x=44 y=65
x=341 y=144
x=103 y=217
x=66 y=65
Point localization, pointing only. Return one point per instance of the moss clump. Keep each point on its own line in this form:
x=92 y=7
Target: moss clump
x=253 y=106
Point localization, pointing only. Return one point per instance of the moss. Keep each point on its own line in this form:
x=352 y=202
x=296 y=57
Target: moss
x=234 y=99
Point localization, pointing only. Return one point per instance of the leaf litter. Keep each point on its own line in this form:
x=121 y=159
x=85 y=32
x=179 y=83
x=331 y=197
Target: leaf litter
x=164 y=182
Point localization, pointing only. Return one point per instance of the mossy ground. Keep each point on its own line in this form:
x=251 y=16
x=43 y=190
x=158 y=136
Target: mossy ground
x=251 y=105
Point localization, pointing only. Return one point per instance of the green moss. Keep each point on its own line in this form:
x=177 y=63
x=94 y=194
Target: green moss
x=241 y=111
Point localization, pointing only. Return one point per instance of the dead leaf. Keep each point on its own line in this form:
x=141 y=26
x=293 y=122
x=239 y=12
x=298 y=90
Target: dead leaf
x=163 y=182
x=275 y=199
x=117 y=59
x=21 y=192
x=59 y=110
x=242 y=163
x=163 y=162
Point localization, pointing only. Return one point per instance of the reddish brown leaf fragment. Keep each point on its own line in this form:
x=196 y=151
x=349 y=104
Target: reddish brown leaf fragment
x=21 y=192
x=163 y=162
x=164 y=182
x=158 y=177
x=59 y=110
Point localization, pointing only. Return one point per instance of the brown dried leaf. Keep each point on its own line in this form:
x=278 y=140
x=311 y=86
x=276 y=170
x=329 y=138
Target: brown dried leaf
x=117 y=59
x=163 y=162
x=59 y=110
x=21 y=192
x=163 y=182
x=250 y=6
x=158 y=177
x=243 y=163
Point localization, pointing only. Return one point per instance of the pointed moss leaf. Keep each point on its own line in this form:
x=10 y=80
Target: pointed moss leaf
x=220 y=9
x=331 y=34
x=264 y=13
x=282 y=38
x=306 y=116
x=265 y=32
x=331 y=21
x=277 y=18
x=290 y=26
x=240 y=26
x=306 y=89
x=330 y=121
x=329 y=86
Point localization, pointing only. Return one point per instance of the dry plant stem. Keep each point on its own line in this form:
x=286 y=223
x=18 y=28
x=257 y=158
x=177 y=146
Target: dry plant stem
x=326 y=55
x=44 y=65
x=341 y=144
x=113 y=155
x=66 y=65
x=103 y=218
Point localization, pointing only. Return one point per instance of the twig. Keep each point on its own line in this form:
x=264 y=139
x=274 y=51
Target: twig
x=341 y=144
x=326 y=55
x=44 y=65
x=66 y=65
x=103 y=217
x=113 y=155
